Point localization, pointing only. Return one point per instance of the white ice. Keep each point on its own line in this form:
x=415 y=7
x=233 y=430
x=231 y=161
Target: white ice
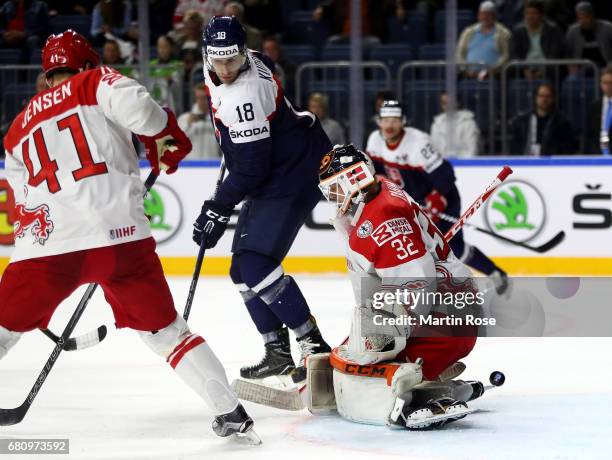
x=119 y=401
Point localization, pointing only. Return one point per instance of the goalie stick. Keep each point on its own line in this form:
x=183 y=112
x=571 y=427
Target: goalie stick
x=16 y=415
x=291 y=399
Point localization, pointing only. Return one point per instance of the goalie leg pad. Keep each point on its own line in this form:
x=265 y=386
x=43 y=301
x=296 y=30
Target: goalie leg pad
x=319 y=392
x=194 y=362
x=8 y=339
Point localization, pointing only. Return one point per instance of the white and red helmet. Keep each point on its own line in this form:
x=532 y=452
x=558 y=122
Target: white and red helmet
x=68 y=50
x=344 y=173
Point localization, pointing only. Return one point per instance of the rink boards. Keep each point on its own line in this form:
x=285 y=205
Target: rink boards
x=541 y=198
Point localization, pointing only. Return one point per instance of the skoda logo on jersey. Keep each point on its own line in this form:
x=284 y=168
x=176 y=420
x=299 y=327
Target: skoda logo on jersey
x=516 y=210
x=365 y=229
x=164 y=208
x=222 y=52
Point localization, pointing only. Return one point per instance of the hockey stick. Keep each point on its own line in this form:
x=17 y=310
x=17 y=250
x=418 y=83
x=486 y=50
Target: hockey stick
x=16 y=415
x=503 y=174
x=97 y=335
x=201 y=252
x=81 y=342
x=554 y=241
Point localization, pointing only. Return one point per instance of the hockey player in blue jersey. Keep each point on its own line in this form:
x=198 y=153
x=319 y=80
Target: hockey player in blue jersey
x=406 y=156
x=272 y=153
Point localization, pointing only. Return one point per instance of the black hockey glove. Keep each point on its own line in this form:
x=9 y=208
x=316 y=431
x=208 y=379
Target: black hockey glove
x=211 y=223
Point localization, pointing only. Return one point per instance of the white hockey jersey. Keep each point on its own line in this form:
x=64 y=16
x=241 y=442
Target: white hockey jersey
x=414 y=165
x=72 y=166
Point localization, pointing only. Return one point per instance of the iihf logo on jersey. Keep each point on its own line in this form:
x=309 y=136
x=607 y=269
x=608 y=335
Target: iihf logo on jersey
x=122 y=232
x=365 y=229
x=38 y=220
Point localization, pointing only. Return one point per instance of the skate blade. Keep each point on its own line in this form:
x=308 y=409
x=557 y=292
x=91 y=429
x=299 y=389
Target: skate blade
x=259 y=393
x=250 y=438
x=426 y=423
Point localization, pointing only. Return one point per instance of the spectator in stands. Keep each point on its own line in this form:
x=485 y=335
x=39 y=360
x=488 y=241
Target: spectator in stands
x=197 y=125
x=486 y=42
x=23 y=24
x=285 y=70
x=336 y=15
x=536 y=39
x=71 y=7
x=110 y=17
x=161 y=14
x=589 y=38
x=41 y=83
x=254 y=36
x=165 y=78
x=191 y=32
x=466 y=132
x=317 y=104
x=111 y=56
x=190 y=58
x=543 y=130
x=599 y=128
x=266 y=15
x=205 y=8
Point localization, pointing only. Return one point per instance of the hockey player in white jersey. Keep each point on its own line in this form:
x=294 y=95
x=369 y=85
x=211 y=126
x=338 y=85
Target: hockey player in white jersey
x=406 y=156
x=272 y=153
x=397 y=375
x=80 y=215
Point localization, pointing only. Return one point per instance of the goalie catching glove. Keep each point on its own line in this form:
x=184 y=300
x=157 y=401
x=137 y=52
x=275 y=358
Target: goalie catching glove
x=211 y=223
x=166 y=149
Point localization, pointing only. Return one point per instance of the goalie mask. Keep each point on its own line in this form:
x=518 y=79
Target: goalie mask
x=224 y=47
x=344 y=174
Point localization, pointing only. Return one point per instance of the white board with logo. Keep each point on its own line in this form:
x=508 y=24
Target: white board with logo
x=536 y=202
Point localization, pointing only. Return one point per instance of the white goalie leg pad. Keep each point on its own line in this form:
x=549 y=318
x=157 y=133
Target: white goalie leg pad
x=195 y=363
x=369 y=399
x=319 y=391
x=8 y=339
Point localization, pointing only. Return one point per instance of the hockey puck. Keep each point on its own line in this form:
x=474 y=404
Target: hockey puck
x=497 y=378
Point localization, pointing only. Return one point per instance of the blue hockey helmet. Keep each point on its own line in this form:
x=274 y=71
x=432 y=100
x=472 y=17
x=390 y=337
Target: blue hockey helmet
x=224 y=46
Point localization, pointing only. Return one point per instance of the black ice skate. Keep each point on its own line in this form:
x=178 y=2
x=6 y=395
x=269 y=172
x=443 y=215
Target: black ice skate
x=237 y=424
x=310 y=343
x=500 y=281
x=277 y=360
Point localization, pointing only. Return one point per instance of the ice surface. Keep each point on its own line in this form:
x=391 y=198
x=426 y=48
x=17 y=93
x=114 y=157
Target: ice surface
x=118 y=400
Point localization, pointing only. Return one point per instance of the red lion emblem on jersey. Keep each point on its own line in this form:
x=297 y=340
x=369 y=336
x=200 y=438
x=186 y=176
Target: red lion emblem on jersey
x=37 y=220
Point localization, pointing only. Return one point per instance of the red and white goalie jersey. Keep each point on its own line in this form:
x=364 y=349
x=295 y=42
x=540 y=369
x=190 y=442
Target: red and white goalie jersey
x=394 y=245
x=70 y=158
x=394 y=240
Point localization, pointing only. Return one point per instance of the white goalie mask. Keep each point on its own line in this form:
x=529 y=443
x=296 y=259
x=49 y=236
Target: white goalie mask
x=343 y=175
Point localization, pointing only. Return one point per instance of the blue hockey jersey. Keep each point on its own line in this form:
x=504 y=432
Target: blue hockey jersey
x=271 y=150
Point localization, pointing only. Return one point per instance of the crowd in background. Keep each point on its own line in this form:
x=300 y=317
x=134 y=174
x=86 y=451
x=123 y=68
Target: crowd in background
x=527 y=30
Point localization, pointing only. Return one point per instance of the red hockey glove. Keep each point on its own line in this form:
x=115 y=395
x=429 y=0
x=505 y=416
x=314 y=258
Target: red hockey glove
x=166 y=149
x=435 y=203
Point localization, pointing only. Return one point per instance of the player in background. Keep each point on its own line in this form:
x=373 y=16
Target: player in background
x=79 y=204
x=272 y=152
x=391 y=243
x=405 y=155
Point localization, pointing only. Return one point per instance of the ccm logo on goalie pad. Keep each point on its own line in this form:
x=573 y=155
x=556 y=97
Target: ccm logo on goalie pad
x=385 y=371
x=391 y=228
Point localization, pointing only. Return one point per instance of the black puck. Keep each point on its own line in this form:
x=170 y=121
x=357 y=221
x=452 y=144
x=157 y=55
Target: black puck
x=497 y=378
